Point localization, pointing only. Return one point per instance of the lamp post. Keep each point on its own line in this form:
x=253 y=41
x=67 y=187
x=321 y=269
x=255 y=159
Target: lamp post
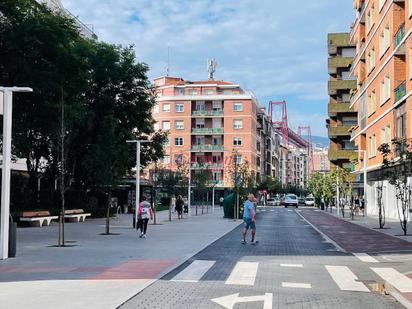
x=138 y=143
x=365 y=182
x=6 y=166
x=188 y=189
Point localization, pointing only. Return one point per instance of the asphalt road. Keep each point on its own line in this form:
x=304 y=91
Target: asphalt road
x=292 y=266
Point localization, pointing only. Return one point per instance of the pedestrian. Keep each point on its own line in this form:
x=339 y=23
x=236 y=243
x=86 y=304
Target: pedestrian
x=249 y=219
x=179 y=207
x=362 y=204
x=186 y=206
x=144 y=213
x=221 y=201
x=356 y=202
x=173 y=202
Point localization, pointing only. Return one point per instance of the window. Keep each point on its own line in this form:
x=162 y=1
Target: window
x=166 y=160
x=217 y=105
x=369 y=19
x=200 y=106
x=237 y=107
x=384 y=41
x=372 y=146
x=371 y=103
x=179 y=108
x=386 y=134
x=193 y=92
x=208 y=92
x=409 y=8
x=410 y=62
x=200 y=140
x=371 y=60
x=180 y=91
x=237 y=141
x=156 y=126
x=156 y=109
x=179 y=124
x=237 y=124
x=200 y=123
x=237 y=159
x=178 y=141
x=400 y=122
x=166 y=125
x=385 y=88
x=166 y=107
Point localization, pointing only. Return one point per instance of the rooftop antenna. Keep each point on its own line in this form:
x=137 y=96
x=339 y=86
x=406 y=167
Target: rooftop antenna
x=211 y=67
x=168 y=61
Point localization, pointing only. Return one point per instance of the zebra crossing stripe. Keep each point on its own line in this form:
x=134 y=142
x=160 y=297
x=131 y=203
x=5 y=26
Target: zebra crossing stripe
x=244 y=273
x=194 y=272
x=364 y=257
x=345 y=279
x=291 y=265
x=399 y=281
x=296 y=285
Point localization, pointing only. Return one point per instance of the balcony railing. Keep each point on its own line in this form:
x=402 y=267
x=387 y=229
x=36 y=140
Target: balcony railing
x=335 y=108
x=334 y=85
x=399 y=35
x=400 y=91
x=339 y=131
x=339 y=62
x=342 y=154
x=207 y=113
x=206 y=147
x=207 y=165
x=207 y=130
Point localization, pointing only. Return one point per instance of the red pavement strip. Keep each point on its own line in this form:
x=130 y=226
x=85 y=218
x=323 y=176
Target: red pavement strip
x=352 y=237
x=133 y=269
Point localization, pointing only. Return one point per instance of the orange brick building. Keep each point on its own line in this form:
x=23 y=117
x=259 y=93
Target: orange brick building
x=209 y=122
x=382 y=65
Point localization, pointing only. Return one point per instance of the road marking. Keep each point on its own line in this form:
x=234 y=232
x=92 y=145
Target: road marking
x=244 y=273
x=364 y=257
x=345 y=279
x=396 y=279
x=229 y=301
x=291 y=265
x=296 y=285
x=272 y=210
x=194 y=272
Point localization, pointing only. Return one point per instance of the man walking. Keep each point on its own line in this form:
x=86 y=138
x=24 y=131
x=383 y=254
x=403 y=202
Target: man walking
x=249 y=219
x=144 y=213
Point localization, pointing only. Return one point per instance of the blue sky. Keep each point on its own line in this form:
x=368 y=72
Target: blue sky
x=277 y=49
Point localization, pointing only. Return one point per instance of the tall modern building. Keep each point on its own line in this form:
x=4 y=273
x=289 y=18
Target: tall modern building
x=383 y=68
x=340 y=86
x=210 y=122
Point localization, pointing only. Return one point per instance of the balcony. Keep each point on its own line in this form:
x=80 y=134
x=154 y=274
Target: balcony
x=207 y=113
x=342 y=154
x=206 y=147
x=338 y=62
x=217 y=183
x=400 y=91
x=335 y=108
x=207 y=130
x=336 y=40
x=400 y=34
x=335 y=85
x=338 y=131
x=207 y=165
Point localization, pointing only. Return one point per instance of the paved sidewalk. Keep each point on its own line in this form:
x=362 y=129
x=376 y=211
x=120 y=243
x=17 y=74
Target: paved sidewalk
x=101 y=271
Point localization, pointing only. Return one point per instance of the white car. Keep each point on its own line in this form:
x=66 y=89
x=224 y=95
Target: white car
x=309 y=201
x=291 y=200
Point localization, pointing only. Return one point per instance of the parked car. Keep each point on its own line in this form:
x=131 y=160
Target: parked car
x=301 y=201
x=271 y=202
x=291 y=200
x=309 y=201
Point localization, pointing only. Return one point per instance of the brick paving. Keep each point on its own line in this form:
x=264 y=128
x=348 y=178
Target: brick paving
x=352 y=237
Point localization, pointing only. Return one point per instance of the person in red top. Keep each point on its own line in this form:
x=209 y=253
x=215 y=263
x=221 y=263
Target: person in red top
x=144 y=214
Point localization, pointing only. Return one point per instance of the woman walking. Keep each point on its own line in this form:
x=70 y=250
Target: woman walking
x=179 y=207
x=144 y=213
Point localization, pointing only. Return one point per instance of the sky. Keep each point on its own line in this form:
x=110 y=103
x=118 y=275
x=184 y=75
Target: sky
x=276 y=49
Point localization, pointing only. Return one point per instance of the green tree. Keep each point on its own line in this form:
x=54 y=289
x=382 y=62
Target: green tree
x=315 y=186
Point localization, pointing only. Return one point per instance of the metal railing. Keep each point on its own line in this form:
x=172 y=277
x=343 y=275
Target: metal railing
x=207 y=130
x=400 y=91
x=207 y=113
x=400 y=34
x=207 y=147
x=207 y=165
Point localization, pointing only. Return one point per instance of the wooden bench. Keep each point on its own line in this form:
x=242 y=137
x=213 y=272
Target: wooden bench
x=37 y=218
x=75 y=215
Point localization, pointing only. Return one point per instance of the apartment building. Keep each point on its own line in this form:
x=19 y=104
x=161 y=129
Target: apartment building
x=320 y=160
x=341 y=115
x=382 y=66
x=210 y=122
x=297 y=167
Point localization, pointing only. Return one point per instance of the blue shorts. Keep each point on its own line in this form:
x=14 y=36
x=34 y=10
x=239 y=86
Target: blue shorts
x=248 y=224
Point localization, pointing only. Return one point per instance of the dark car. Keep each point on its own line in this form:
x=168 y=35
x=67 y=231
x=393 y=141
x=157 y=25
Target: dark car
x=301 y=201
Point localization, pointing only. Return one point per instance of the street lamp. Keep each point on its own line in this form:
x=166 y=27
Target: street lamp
x=137 y=197
x=5 y=174
x=365 y=213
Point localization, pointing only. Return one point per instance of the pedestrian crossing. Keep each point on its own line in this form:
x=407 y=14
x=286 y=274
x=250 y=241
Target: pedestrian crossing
x=345 y=279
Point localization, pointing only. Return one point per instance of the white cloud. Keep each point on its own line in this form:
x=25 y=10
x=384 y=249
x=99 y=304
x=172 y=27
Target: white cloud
x=275 y=48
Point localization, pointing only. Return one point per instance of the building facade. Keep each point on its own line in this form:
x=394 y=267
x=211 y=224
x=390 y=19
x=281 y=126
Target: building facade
x=210 y=123
x=340 y=86
x=320 y=160
x=382 y=66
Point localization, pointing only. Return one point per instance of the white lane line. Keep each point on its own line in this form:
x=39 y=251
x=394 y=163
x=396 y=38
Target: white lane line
x=364 y=257
x=291 y=265
x=244 y=273
x=194 y=272
x=272 y=210
x=345 y=279
x=396 y=279
x=296 y=285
